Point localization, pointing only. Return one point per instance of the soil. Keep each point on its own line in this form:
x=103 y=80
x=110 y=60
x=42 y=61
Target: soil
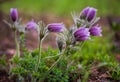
x=100 y=75
x=97 y=75
x=4 y=76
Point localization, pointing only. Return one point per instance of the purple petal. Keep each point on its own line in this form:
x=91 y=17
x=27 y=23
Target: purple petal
x=84 y=13
x=82 y=34
x=82 y=38
x=88 y=13
x=82 y=31
x=91 y=14
x=55 y=27
x=95 y=31
x=14 y=14
x=31 y=25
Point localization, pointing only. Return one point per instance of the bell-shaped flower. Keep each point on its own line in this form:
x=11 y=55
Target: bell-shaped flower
x=89 y=13
x=55 y=27
x=82 y=34
x=31 y=25
x=14 y=14
x=95 y=31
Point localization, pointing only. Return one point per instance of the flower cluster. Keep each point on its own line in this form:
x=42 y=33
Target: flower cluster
x=82 y=30
x=84 y=27
x=86 y=20
x=83 y=33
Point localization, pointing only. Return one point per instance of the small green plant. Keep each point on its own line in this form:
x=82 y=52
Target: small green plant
x=115 y=73
x=3 y=64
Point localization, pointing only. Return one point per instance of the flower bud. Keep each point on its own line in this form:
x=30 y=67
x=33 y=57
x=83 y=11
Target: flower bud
x=88 y=13
x=31 y=25
x=14 y=14
x=82 y=34
x=61 y=41
x=55 y=27
x=60 y=44
x=95 y=31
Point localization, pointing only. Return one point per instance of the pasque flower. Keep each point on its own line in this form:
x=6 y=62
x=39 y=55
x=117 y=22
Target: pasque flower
x=82 y=34
x=95 y=31
x=55 y=27
x=31 y=25
x=14 y=14
x=89 y=13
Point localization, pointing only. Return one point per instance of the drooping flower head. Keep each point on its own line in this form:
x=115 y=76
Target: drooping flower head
x=89 y=13
x=95 y=31
x=82 y=34
x=14 y=14
x=55 y=27
x=31 y=25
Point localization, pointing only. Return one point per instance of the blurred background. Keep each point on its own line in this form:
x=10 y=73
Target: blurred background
x=59 y=11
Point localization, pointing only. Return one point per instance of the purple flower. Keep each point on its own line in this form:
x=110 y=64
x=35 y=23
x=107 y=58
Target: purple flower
x=31 y=25
x=82 y=34
x=88 y=13
x=95 y=31
x=14 y=14
x=55 y=27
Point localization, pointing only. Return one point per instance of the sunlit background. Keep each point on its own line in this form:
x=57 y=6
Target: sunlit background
x=62 y=7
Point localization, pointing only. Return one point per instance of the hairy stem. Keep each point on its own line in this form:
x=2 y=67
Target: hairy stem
x=51 y=56
x=53 y=65
x=40 y=48
x=39 y=54
x=17 y=44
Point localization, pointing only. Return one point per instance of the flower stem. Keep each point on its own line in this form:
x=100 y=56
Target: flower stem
x=53 y=65
x=40 y=41
x=51 y=56
x=17 y=44
x=39 y=57
x=81 y=44
x=39 y=54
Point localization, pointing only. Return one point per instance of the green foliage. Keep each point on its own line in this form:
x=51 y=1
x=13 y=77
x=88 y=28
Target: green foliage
x=58 y=75
x=2 y=60
x=3 y=63
x=115 y=26
x=115 y=73
x=74 y=66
